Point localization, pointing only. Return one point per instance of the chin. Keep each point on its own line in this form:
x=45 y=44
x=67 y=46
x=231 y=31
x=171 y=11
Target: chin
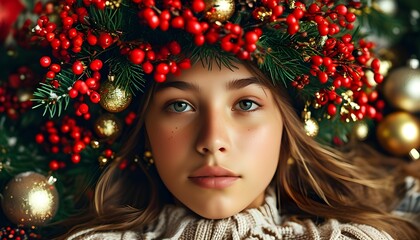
x=216 y=214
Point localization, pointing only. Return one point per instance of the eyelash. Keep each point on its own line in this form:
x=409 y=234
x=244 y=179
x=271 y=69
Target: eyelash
x=249 y=101
x=171 y=106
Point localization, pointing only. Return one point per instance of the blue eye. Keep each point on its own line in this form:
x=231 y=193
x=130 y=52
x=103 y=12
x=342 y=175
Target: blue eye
x=247 y=105
x=179 y=106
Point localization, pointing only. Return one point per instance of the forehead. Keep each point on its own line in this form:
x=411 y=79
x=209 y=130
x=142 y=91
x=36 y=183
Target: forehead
x=201 y=71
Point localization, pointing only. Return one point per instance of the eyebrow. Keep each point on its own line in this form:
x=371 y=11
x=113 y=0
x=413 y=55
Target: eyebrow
x=234 y=84
x=241 y=83
x=177 y=84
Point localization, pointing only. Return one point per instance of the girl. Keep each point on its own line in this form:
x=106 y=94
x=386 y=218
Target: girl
x=226 y=157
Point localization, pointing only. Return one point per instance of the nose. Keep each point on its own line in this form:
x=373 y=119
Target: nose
x=213 y=133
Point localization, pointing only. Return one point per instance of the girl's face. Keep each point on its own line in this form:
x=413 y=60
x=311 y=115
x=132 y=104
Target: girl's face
x=215 y=137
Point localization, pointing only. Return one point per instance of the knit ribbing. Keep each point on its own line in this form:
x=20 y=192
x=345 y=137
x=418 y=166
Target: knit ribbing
x=264 y=222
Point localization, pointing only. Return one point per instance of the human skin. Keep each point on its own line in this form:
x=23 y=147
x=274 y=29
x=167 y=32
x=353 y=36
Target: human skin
x=215 y=136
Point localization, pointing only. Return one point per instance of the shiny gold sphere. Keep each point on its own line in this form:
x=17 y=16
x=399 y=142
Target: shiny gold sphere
x=30 y=199
x=311 y=127
x=113 y=98
x=361 y=130
x=398 y=133
x=219 y=10
x=108 y=126
x=402 y=88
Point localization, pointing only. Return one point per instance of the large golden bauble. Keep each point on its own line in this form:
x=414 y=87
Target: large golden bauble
x=402 y=87
x=108 y=126
x=30 y=199
x=360 y=130
x=398 y=133
x=113 y=98
x=388 y=7
x=219 y=10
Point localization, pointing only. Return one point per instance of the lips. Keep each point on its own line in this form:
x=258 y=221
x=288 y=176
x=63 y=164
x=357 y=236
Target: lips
x=213 y=177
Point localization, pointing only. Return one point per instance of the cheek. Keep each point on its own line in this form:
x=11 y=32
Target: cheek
x=262 y=140
x=168 y=141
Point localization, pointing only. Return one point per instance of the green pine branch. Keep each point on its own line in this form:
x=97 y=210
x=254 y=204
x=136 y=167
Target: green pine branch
x=54 y=100
x=128 y=76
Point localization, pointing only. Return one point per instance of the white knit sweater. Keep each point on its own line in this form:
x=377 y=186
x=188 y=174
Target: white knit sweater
x=176 y=222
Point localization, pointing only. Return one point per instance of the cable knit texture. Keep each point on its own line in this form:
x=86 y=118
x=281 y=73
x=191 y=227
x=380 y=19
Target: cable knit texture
x=258 y=223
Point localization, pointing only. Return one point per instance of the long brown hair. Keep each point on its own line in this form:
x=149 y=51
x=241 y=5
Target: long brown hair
x=312 y=181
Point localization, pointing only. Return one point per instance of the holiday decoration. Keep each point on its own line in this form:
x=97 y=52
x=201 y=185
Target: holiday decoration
x=63 y=57
x=108 y=126
x=10 y=11
x=361 y=130
x=398 y=133
x=402 y=85
x=30 y=199
x=219 y=10
x=388 y=7
x=324 y=62
x=18 y=233
x=114 y=98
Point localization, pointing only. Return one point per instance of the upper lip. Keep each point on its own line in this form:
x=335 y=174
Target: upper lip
x=213 y=171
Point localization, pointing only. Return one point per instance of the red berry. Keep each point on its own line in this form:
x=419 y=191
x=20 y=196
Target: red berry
x=322 y=76
x=77 y=68
x=96 y=65
x=251 y=37
x=198 y=6
x=323 y=29
x=376 y=64
x=55 y=68
x=92 y=39
x=316 y=60
x=350 y=17
x=83 y=108
x=193 y=27
x=291 y=19
x=95 y=97
x=331 y=109
x=50 y=75
x=159 y=77
x=162 y=68
x=45 y=61
x=75 y=158
x=177 y=22
x=292 y=29
x=39 y=138
x=346 y=38
x=136 y=56
x=378 y=77
x=174 y=48
x=105 y=40
x=54 y=165
x=341 y=9
x=147 y=67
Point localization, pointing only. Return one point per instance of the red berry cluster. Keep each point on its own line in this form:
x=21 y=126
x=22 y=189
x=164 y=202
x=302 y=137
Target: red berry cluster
x=17 y=233
x=67 y=138
x=157 y=62
x=16 y=93
x=342 y=65
x=329 y=19
x=90 y=86
x=173 y=15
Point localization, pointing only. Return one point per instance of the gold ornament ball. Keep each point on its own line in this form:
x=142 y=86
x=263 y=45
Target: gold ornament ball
x=402 y=86
x=108 y=126
x=113 y=98
x=361 y=130
x=30 y=199
x=311 y=127
x=219 y=10
x=388 y=7
x=398 y=133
